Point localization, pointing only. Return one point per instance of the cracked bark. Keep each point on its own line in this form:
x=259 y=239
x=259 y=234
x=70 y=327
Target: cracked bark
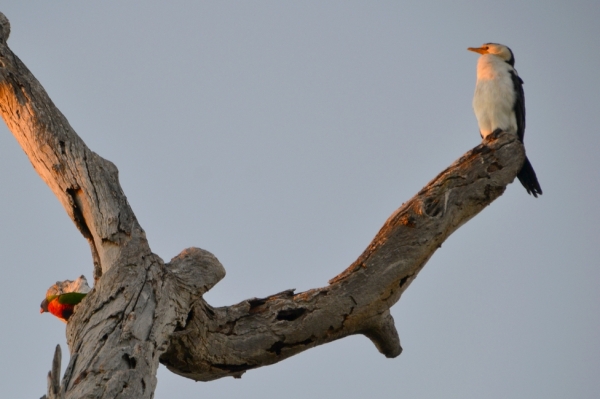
x=143 y=311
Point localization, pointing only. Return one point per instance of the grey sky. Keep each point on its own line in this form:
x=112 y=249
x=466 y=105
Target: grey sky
x=280 y=136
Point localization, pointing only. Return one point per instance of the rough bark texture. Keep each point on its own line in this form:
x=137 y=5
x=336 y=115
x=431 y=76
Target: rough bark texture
x=227 y=341
x=54 y=388
x=142 y=311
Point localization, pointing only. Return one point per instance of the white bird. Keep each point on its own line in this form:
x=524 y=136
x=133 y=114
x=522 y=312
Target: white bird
x=499 y=102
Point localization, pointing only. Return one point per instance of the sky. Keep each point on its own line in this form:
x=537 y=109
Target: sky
x=280 y=136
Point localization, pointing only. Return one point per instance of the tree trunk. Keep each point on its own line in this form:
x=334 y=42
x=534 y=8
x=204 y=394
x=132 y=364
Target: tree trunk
x=143 y=311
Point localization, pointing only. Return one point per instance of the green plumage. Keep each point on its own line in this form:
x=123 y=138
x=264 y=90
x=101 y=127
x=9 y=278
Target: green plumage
x=70 y=298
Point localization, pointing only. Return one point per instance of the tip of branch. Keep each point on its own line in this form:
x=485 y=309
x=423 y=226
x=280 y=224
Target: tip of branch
x=384 y=335
x=54 y=375
x=79 y=285
x=196 y=265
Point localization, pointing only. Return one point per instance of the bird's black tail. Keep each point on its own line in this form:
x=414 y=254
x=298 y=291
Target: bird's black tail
x=529 y=180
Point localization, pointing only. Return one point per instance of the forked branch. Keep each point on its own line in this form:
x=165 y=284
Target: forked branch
x=142 y=311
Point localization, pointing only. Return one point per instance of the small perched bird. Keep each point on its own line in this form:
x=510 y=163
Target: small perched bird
x=499 y=102
x=62 y=305
x=62 y=297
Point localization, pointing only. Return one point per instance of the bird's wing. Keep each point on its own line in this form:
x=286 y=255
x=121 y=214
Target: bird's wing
x=71 y=298
x=519 y=106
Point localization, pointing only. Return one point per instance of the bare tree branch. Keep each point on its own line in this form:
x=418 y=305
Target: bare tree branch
x=86 y=184
x=54 y=388
x=229 y=340
x=142 y=311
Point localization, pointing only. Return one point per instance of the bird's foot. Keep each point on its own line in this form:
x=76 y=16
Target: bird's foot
x=495 y=133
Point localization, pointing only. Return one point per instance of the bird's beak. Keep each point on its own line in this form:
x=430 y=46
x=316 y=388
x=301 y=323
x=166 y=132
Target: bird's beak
x=44 y=306
x=479 y=50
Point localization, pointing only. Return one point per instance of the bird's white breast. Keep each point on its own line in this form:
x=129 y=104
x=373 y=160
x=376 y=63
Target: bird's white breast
x=494 y=96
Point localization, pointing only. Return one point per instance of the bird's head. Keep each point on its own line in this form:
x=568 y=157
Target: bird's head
x=44 y=306
x=499 y=50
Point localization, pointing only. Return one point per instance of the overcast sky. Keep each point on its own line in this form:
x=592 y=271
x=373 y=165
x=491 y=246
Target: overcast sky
x=280 y=136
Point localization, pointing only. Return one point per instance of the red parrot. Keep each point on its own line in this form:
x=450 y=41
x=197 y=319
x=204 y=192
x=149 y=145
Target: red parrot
x=62 y=305
x=62 y=297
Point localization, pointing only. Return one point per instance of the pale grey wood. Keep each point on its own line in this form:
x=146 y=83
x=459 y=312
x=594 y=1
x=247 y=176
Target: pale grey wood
x=54 y=387
x=142 y=310
x=227 y=341
x=122 y=327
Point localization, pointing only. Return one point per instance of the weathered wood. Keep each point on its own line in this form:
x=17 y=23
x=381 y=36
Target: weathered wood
x=142 y=311
x=227 y=341
x=123 y=325
x=54 y=387
x=86 y=184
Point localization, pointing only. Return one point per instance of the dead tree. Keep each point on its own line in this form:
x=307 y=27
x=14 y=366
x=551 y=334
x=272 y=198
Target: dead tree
x=143 y=311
